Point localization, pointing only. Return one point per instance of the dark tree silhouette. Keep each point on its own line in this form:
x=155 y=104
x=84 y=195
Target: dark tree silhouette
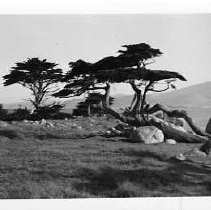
x=3 y=113
x=39 y=76
x=92 y=104
x=85 y=76
x=128 y=67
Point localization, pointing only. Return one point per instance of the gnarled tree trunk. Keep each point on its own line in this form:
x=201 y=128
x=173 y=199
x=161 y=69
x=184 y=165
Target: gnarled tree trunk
x=106 y=96
x=169 y=132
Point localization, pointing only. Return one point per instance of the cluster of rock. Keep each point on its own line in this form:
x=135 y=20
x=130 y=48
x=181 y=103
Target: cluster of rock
x=143 y=134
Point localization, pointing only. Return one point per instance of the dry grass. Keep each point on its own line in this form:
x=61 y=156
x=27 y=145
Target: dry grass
x=66 y=162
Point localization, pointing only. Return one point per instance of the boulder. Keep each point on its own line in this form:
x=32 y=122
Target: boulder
x=170 y=141
x=2 y=123
x=43 y=122
x=147 y=135
x=208 y=127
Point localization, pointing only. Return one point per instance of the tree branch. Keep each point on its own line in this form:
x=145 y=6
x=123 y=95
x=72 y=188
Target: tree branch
x=179 y=114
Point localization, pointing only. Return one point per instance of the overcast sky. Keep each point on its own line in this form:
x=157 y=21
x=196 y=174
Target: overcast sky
x=185 y=41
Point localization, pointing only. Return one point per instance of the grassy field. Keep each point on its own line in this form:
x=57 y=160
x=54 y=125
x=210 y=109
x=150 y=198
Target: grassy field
x=69 y=162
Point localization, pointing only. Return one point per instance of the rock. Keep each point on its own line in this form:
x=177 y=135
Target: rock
x=73 y=125
x=147 y=135
x=121 y=126
x=180 y=157
x=49 y=124
x=95 y=132
x=208 y=127
x=25 y=121
x=170 y=141
x=192 y=153
x=43 y=122
x=108 y=132
x=36 y=122
x=117 y=132
x=195 y=152
x=2 y=123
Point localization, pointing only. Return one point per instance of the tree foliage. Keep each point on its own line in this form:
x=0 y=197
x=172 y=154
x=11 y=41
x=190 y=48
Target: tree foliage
x=39 y=76
x=128 y=67
x=91 y=105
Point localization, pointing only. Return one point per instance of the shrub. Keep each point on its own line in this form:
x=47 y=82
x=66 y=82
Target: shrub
x=3 y=113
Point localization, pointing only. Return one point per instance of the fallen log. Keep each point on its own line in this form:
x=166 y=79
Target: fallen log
x=169 y=132
x=179 y=136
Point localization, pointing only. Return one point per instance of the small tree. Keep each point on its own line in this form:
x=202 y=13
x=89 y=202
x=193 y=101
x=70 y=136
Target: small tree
x=39 y=76
x=3 y=113
x=92 y=104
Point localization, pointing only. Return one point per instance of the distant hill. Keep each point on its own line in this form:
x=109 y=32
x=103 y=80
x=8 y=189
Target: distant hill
x=195 y=99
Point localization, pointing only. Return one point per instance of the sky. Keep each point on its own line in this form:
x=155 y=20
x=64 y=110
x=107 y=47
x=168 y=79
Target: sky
x=184 y=39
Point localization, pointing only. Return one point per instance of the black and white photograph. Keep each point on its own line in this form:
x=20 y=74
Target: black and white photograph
x=105 y=106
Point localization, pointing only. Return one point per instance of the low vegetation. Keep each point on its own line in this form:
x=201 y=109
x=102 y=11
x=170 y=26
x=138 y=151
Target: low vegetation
x=74 y=159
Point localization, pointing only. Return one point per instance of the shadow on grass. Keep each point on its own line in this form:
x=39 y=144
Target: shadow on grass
x=8 y=133
x=143 y=181
x=146 y=154
x=48 y=136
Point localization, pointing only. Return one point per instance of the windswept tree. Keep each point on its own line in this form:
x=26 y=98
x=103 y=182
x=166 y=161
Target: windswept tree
x=39 y=76
x=131 y=66
x=128 y=67
x=85 y=76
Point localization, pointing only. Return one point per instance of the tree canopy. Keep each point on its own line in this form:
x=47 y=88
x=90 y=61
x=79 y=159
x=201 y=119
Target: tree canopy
x=39 y=76
x=129 y=66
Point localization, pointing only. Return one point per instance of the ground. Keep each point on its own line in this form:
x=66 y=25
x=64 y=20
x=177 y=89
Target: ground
x=66 y=161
